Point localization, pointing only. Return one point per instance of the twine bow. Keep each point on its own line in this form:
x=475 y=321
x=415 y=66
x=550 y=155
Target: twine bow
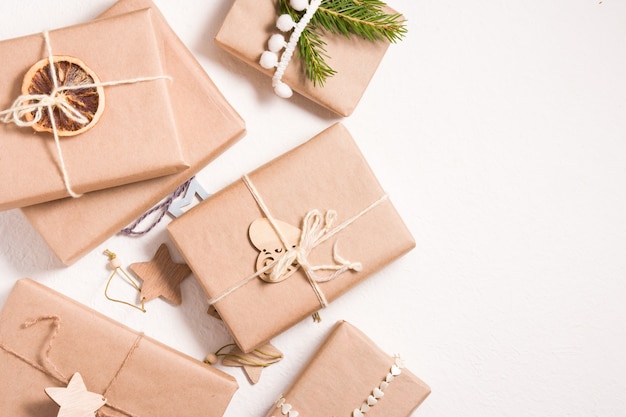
x=33 y=105
x=314 y=229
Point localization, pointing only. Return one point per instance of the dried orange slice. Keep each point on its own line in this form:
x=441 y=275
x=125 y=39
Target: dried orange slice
x=70 y=72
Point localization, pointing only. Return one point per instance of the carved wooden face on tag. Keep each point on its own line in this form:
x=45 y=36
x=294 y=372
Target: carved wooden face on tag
x=264 y=238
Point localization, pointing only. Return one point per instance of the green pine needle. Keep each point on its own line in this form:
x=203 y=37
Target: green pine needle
x=363 y=18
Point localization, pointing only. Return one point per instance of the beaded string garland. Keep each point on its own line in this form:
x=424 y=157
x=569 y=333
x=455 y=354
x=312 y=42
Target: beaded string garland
x=288 y=410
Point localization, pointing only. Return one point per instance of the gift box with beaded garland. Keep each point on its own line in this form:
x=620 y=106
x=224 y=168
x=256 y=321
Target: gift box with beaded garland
x=249 y=30
x=350 y=375
x=110 y=97
x=338 y=227
x=104 y=213
x=45 y=338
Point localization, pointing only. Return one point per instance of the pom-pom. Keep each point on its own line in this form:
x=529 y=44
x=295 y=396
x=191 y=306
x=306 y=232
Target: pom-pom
x=299 y=5
x=283 y=90
x=285 y=23
x=276 y=42
x=268 y=60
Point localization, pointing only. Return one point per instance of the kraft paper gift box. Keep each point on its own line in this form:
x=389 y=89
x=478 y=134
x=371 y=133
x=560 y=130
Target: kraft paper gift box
x=46 y=337
x=328 y=173
x=351 y=376
x=250 y=23
x=207 y=126
x=135 y=138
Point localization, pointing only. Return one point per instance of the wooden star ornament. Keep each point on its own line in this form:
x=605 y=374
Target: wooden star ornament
x=75 y=400
x=161 y=276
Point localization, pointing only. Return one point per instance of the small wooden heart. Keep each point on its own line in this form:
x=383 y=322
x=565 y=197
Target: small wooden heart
x=357 y=413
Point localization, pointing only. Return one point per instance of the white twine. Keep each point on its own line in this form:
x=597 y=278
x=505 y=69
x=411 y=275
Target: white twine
x=316 y=229
x=25 y=105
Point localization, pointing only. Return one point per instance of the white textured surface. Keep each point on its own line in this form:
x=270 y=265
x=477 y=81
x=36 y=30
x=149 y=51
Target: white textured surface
x=499 y=130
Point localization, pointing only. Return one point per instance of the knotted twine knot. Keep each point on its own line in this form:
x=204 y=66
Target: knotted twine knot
x=33 y=105
x=314 y=229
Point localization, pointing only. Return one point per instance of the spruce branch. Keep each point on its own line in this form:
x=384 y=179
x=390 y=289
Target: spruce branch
x=363 y=18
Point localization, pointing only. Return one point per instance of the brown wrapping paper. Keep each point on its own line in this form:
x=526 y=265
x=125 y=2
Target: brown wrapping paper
x=326 y=173
x=344 y=372
x=134 y=140
x=151 y=379
x=104 y=213
x=247 y=29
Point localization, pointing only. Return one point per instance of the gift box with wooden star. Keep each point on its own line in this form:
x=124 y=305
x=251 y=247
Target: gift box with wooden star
x=102 y=214
x=337 y=52
x=51 y=346
x=290 y=237
x=112 y=121
x=350 y=375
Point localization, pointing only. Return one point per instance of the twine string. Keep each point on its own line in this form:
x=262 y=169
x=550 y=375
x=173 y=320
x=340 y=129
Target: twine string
x=29 y=106
x=55 y=373
x=162 y=208
x=316 y=230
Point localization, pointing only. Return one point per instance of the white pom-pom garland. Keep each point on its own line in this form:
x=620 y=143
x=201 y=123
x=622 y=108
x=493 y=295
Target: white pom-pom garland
x=285 y=23
x=269 y=59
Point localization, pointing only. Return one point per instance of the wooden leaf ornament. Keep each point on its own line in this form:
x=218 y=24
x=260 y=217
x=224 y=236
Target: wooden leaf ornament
x=266 y=240
x=161 y=276
x=75 y=400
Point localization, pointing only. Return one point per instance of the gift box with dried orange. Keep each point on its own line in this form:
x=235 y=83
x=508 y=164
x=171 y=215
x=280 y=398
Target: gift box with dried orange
x=287 y=239
x=350 y=375
x=106 y=212
x=328 y=53
x=111 y=124
x=58 y=356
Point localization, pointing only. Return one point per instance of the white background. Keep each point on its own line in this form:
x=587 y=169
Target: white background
x=498 y=129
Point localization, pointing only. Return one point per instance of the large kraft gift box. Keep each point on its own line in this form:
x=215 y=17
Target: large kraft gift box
x=135 y=138
x=250 y=23
x=326 y=173
x=46 y=337
x=207 y=126
x=350 y=376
